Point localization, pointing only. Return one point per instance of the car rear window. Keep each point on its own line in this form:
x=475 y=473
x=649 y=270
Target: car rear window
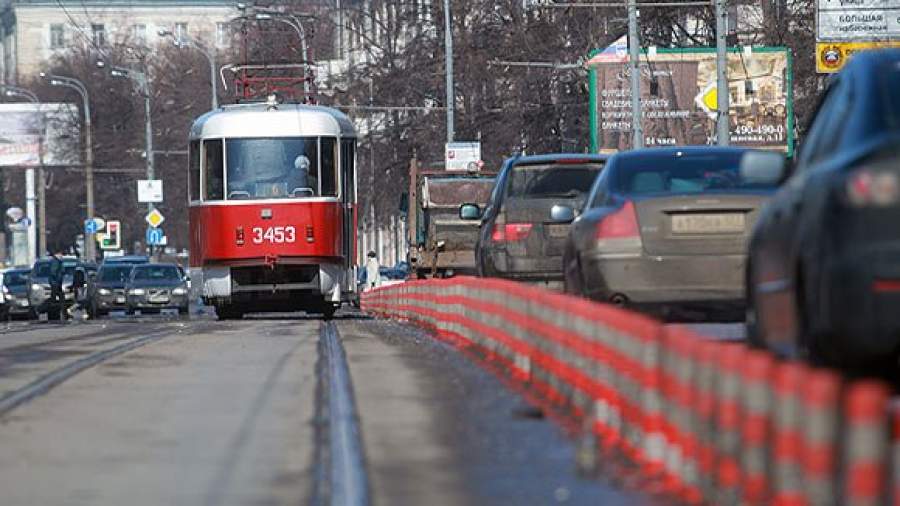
x=686 y=173
x=552 y=180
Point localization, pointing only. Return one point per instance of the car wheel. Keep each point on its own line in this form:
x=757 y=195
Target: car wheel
x=751 y=317
x=183 y=310
x=228 y=312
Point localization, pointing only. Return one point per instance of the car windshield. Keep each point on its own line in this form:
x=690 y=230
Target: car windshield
x=117 y=274
x=280 y=168
x=552 y=180
x=671 y=173
x=15 y=278
x=156 y=273
x=41 y=270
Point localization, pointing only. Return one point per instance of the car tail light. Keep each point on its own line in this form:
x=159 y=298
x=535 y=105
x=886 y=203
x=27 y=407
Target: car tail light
x=239 y=236
x=621 y=224
x=886 y=286
x=873 y=188
x=510 y=232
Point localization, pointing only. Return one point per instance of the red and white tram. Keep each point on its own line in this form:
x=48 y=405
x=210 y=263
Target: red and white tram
x=273 y=208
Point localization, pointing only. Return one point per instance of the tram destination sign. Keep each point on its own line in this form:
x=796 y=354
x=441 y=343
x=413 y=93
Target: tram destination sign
x=857 y=20
x=678 y=99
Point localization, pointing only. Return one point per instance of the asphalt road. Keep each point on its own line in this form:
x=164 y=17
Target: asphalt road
x=154 y=410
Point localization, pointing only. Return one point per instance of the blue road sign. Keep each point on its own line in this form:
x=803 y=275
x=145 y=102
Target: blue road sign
x=90 y=226
x=155 y=236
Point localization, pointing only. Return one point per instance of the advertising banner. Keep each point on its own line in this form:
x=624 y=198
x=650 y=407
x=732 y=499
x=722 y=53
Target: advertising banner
x=679 y=99
x=25 y=128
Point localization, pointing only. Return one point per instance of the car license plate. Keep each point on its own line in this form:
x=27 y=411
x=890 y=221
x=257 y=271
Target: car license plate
x=120 y=300
x=159 y=300
x=708 y=223
x=558 y=230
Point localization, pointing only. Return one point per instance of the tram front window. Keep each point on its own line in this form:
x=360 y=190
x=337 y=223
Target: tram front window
x=273 y=168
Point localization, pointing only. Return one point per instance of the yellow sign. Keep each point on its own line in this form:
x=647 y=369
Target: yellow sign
x=154 y=218
x=832 y=56
x=710 y=98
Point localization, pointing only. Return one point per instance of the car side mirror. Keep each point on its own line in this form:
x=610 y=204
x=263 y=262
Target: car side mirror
x=562 y=214
x=763 y=167
x=469 y=212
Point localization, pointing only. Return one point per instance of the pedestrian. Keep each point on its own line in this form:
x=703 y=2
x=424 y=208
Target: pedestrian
x=373 y=277
x=57 y=297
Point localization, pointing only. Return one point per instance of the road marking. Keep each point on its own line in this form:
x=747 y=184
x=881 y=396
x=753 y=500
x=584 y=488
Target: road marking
x=347 y=482
x=46 y=382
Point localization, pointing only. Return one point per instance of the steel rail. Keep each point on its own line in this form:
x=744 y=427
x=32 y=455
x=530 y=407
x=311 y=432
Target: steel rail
x=346 y=471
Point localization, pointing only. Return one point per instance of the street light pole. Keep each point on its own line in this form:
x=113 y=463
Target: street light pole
x=448 y=57
x=185 y=40
x=722 y=91
x=90 y=251
x=634 y=47
x=140 y=78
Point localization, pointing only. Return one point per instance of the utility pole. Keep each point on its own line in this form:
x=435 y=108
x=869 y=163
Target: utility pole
x=448 y=57
x=634 y=48
x=75 y=84
x=723 y=125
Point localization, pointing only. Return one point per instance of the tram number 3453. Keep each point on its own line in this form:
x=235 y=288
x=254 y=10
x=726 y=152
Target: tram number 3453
x=277 y=235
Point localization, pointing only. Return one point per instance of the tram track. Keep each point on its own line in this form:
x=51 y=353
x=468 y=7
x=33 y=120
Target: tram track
x=341 y=474
x=47 y=381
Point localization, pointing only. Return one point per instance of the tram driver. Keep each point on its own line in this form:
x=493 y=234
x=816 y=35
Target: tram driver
x=301 y=178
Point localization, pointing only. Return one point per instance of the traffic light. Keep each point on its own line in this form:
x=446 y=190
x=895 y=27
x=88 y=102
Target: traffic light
x=112 y=239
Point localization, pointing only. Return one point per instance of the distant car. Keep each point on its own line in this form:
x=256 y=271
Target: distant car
x=665 y=230
x=108 y=290
x=15 y=293
x=520 y=238
x=153 y=287
x=39 y=286
x=824 y=269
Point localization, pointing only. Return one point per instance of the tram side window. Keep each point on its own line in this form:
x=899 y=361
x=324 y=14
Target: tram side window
x=328 y=172
x=194 y=179
x=347 y=160
x=215 y=186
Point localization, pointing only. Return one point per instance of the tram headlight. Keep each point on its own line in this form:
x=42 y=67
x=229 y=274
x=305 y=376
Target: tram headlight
x=136 y=291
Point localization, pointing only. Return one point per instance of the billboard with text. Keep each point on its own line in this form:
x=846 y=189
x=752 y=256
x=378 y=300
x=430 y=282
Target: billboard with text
x=678 y=99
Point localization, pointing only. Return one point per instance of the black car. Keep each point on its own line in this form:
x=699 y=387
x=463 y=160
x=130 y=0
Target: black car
x=15 y=293
x=107 y=292
x=823 y=278
x=153 y=287
x=520 y=238
x=665 y=230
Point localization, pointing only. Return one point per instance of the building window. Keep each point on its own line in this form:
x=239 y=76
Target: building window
x=99 y=34
x=57 y=36
x=139 y=34
x=181 y=31
x=222 y=34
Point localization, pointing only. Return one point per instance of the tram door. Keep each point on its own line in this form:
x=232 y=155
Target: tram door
x=348 y=192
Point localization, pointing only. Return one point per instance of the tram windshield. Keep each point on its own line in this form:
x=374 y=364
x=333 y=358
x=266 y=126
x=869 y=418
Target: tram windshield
x=278 y=168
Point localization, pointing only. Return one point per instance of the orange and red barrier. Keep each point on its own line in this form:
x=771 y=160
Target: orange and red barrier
x=700 y=421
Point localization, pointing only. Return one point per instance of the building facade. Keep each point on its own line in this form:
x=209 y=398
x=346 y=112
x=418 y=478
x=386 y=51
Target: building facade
x=33 y=31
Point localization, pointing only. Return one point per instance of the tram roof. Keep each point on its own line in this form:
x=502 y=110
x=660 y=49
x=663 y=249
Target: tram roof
x=262 y=120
